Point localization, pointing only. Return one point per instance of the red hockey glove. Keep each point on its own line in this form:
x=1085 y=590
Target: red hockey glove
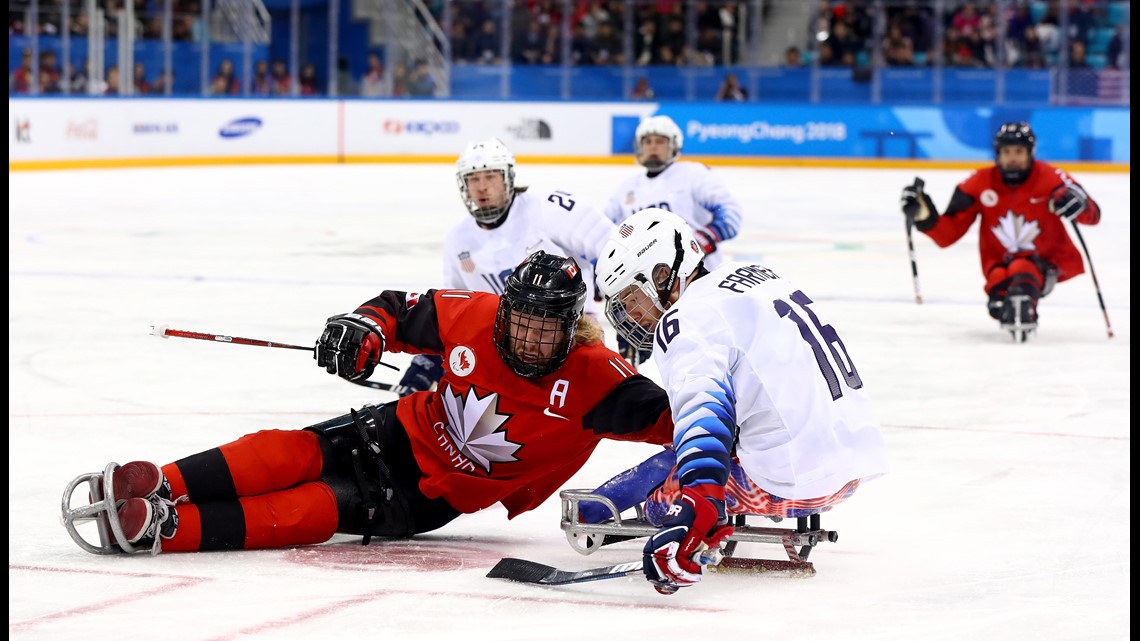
x=350 y=346
x=1068 y=201
x=706 y=240
x=688 y=540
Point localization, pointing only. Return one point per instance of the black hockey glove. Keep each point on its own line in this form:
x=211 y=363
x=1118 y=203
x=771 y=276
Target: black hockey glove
x=917 y=205
x=350 y=346
x=1068 y=201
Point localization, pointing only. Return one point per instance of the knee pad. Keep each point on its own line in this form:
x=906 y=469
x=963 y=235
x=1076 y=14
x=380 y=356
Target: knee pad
x=367 y=501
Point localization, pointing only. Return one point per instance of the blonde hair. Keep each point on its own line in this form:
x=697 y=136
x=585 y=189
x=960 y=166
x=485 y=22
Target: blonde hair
x=588 y=331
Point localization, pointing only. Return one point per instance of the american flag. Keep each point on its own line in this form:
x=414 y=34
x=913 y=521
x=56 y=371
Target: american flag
x=466 y=263
x=625 y=230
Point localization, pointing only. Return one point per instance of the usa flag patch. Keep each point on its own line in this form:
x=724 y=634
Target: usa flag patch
x=625 y=230
x=465 y=262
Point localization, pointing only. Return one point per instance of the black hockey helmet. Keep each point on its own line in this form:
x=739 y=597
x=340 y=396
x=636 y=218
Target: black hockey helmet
x=1015 y=133
x=545 y=286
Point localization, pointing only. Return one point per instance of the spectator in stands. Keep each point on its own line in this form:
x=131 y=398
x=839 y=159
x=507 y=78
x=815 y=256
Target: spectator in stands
x=731 y=91
x=485 y=44
x=262 y=85
x=49 y=73
x=898 y=50
x=372 y=83
x=420 y=82
x=400 y=80
x=225 y=82
x=1078 y=55
x=642 y=90
x=529 y=47
x=643 y=46
x=793 y=57
x=112 y=83
x=142 y=87
x=843 y=43
x=160 y=84
x=1019 y=21
x=282 y=84
x=308 y=80
x=1118 y=52
x=1031 y=54
x=20 y=80
x=606 y=47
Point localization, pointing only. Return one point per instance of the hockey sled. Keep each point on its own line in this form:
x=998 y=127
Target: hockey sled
x=797 y=542
x=1017 y=327
x=100 y=509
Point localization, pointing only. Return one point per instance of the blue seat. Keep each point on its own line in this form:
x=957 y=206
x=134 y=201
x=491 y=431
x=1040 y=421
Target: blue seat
x=1097 y=60
x=1119 y=13
x=1099 y=38
x=1036 y=11
x=920 y=58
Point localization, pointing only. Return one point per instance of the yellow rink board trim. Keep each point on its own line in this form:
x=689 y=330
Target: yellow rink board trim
x=624 y=159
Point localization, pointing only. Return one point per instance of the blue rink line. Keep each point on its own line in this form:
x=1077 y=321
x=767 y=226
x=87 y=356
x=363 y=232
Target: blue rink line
x=205 y=279
x=890 y=300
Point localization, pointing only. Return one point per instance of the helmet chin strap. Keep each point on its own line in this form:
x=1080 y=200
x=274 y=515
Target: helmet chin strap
x=664 y=292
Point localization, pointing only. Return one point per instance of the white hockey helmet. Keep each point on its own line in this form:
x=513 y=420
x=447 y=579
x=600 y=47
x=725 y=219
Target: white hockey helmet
x=650 y=251
x=486 y=155
x=661 y=126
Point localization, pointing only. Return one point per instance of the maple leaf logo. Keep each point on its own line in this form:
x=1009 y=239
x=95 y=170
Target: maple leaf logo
x=475 y=427
x=1015 y=234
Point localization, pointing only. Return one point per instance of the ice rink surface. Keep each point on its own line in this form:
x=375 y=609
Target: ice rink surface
x=1006 y=514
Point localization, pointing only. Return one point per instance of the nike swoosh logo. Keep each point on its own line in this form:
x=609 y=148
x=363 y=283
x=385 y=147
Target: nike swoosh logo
x=552 y=414
x=1034 y=201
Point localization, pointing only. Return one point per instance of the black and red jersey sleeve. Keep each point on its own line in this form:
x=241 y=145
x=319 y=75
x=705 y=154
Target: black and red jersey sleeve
x=410 y=321
x=636 y=405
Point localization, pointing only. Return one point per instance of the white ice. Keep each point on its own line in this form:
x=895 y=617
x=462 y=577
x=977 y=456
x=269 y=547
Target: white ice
x=1006 y=514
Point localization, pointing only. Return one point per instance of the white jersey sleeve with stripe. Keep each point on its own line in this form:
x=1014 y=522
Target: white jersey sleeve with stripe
x=556 y=222
x=744 y=343
x=688 y=189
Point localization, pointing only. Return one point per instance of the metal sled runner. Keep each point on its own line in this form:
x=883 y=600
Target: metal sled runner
x=586 y=538
x=101 y=509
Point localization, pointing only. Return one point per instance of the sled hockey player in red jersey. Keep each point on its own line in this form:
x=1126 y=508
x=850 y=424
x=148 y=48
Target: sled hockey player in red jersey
x=507 y=222
x=771 y=415
x=1025 y=248
x=528 y=393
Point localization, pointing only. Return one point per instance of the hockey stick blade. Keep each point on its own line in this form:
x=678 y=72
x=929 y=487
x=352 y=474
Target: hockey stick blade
x=524 y=571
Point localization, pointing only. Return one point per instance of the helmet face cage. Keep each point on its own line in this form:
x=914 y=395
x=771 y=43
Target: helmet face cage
x=538 y=313
x=624 y=307
x=1015 y=133
x=486 y=155
x=660 y=126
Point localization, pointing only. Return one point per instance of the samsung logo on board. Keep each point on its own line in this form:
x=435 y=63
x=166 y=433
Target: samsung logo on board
x=240 y=127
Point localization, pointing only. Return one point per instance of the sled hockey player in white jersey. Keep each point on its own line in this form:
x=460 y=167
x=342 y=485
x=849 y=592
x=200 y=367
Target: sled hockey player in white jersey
x=688 y=189
x=507 y=224
x=770 y=413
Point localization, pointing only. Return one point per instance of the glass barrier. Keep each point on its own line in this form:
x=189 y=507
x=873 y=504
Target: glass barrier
x=828 y=52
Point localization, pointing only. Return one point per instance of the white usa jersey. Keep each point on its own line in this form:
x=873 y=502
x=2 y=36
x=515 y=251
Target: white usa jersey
x=744 y=345
x=687 y=189
x=556 y=222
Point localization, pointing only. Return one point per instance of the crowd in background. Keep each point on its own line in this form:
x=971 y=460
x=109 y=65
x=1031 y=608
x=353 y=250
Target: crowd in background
x=664 y=32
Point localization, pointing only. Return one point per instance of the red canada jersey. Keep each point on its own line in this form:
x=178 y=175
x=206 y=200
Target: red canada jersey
x=488 y=435
x=1016 y=221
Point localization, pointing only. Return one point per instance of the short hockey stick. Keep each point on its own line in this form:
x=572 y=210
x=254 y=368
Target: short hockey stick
x=162 y=331
x=1092 y=272
x=919 y=184
x=524 y=571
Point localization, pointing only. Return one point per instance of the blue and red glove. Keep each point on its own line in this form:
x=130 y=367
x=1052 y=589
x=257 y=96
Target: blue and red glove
x=688 y=540
x=706 y=239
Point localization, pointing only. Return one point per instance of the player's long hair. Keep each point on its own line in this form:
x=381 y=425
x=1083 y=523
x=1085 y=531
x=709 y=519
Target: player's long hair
x=588 y=331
